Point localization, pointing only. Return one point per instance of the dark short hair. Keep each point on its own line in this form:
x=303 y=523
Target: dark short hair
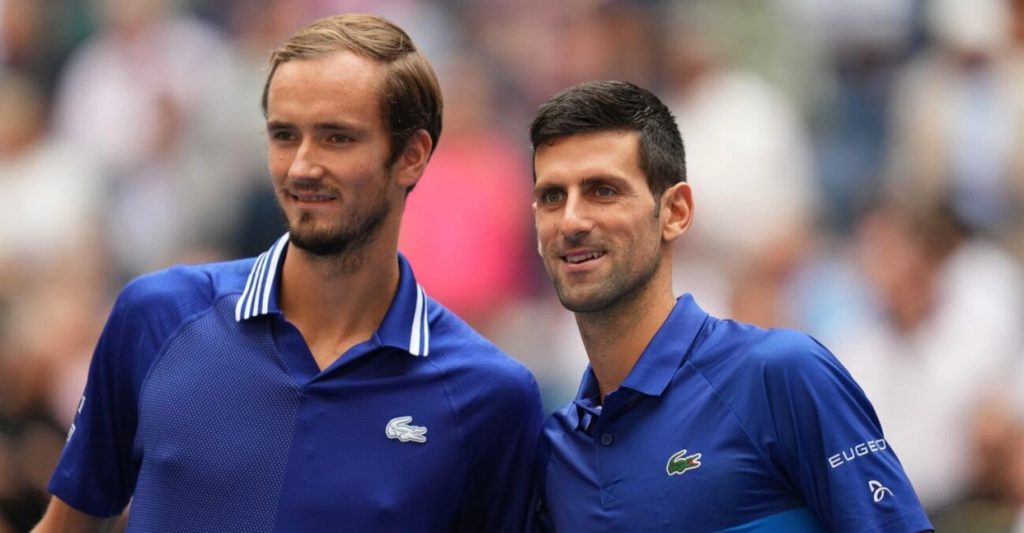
x=617 y=105
x=410 y=96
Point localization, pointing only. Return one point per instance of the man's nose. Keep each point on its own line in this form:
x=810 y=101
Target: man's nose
x=576 y=218
x=307 y=162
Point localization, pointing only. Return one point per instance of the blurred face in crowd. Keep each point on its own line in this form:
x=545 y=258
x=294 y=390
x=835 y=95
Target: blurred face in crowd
x=599 y=227
x=328 y=148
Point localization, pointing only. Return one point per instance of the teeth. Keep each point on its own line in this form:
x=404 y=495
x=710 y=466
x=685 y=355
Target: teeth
x=313 y=197
x=579 y=258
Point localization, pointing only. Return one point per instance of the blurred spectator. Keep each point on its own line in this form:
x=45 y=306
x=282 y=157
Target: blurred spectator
x=538 y=48
x=50 y=190
x=30 y=440
x=958 y=118
x=36 y=37
x=468 y=220
x=749 y=161
x=946 y=325
x=867 y=42
x=147 y=95
x=995 y=501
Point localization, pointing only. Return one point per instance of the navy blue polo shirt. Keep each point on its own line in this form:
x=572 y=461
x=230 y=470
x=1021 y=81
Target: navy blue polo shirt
x=205 y=408
x=724 y=426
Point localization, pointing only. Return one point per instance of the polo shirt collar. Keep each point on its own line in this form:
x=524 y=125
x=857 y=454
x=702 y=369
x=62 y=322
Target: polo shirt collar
x=657 y=364
x=405 y=326
x=668 y=348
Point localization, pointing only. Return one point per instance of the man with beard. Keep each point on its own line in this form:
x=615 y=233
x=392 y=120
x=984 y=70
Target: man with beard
x=315 y=387
x=683 y=421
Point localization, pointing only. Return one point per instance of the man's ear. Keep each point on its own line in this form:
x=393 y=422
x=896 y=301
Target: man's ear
x=409 y=166
x=676 y=210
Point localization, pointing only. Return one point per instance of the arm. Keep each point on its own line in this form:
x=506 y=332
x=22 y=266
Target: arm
x=61 y=517
x=499 y=491
x=832 y=447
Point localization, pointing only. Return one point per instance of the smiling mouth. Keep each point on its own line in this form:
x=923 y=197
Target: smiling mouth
x=308 y=197
x=575 y=259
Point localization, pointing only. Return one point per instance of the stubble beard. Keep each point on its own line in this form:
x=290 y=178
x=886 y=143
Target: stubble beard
x=346 y=242
x=625 y=284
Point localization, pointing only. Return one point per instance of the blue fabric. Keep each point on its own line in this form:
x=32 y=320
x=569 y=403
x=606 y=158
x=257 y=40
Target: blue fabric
x=799 y=519
x=211 y=420
x=722 y=425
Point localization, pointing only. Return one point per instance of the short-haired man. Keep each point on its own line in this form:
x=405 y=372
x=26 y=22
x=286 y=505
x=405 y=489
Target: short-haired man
x=683 y=421
x=315 y=387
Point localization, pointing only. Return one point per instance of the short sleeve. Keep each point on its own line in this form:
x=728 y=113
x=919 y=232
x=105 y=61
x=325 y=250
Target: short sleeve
x=504 y=446
x=98 y=468
x=831 y=443
x=95 y=473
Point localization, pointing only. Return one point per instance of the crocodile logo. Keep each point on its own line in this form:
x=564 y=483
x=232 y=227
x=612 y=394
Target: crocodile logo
x=398 y=428
x=680 y=463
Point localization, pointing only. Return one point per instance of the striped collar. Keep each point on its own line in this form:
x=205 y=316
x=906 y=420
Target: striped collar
x=405 y=326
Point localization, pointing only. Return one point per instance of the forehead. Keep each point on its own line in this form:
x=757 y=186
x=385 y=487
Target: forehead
x=339 y=85
x=614 y=153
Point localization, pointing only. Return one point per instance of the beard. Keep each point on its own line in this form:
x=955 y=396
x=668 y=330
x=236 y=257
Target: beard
x=622 y=286
x=348 y=238
x=626 y=282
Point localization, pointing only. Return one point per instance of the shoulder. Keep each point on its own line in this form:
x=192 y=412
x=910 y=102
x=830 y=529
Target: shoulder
x=748 y=348
x=181 y=290
x=458 y=348
x=754 y=369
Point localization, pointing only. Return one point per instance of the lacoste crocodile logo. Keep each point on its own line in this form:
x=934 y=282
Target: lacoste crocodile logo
x=680 y=463
x=398 y=428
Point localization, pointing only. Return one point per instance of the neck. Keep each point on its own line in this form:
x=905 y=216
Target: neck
x=615 y=337
x=338 y=302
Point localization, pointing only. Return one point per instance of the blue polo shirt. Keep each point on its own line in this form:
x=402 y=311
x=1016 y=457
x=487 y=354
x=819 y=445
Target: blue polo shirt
x=205 y=408
x=724 y=426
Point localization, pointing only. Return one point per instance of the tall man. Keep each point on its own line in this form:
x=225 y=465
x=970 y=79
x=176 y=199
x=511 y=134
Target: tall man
x=315 y=387
x=683 y=421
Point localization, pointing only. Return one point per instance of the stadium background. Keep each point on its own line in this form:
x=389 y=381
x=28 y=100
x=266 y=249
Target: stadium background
x=858 y=171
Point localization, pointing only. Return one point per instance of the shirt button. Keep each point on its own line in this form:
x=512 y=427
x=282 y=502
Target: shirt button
x=607 y=439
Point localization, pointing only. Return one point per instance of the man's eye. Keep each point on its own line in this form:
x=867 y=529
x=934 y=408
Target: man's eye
x=282 y=135
x=604 y=191
x=551 y=197
x=338 y=138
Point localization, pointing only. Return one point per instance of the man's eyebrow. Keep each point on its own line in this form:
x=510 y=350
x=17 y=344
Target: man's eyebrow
x=280 y=124
x=601 y=179
x=334 y=126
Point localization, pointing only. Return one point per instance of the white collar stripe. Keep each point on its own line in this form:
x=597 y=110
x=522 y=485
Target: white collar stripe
x=426 y=326
x=240 y=306
x=251 y=299
x=259 y=287
x=246 y=299
x=426 y=329
x=274 y=258
x=414 y=337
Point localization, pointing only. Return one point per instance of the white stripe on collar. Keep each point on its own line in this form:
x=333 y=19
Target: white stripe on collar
x=419 y=338
x=255 y=299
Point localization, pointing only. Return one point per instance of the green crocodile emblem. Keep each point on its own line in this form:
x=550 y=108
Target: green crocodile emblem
x=680 y=463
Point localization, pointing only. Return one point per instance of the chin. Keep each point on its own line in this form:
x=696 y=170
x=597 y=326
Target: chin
x=584 y=303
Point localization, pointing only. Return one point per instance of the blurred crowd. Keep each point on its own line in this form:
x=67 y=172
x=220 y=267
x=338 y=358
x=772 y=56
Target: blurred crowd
x=858 y=174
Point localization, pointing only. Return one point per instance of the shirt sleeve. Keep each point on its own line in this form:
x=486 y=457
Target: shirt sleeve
x=98 y=468
x=95 y=473
x=504 y=447
x=831 y=444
